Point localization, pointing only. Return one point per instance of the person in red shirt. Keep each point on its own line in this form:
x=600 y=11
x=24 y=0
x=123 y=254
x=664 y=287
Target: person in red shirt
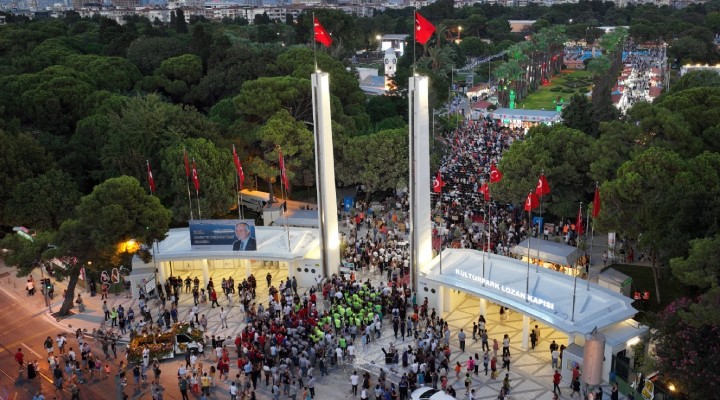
x=556 y=382
x=20 y=358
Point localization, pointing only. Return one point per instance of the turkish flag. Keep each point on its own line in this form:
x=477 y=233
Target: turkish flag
x=532 y=202
x=187 y=165
x=423 y=29
x=579 y=224
x=151 y=181
x=283 y=172
x=195 y=179
x=485 y=190
x=321 y=34
x=495 y=174
x=438 y=183
x=542 y=186
x=596 y=203
x=238 y=167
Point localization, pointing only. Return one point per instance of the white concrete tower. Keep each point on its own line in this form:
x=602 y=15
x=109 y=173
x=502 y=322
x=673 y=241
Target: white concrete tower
x=420 y=228
x=325 y=174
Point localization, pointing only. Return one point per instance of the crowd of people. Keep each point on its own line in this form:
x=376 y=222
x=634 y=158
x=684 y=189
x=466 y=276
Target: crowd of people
x=643 y=70
x=462 y=216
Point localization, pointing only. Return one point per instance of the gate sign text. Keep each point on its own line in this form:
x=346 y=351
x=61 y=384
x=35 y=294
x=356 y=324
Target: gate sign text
x=505 y=289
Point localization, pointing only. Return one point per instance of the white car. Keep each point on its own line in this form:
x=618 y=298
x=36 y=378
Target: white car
x=428 y=393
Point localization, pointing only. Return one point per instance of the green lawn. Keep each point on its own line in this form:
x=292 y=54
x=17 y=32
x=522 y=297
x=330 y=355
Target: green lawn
x=670 y=289
x=544 y=97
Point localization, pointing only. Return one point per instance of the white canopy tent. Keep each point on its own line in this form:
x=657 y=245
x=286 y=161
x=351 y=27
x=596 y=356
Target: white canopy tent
x=545 y=250
x=548 y=297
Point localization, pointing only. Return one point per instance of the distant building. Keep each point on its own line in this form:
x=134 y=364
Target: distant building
x=689 y=68
x=126 y=4
x=520 y=25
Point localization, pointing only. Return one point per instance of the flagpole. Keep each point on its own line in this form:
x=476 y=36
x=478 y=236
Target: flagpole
x=284 y=211
x=237 y=186
x=572 y=319
x=414 y=33
x=187 y=182
x=489 y=231
x=487 y=227
x=541 y=195
x=314 y=44
x=149 y=173
x=197 y=189
x=283 y=172
x=527 y=276
x=592 y=238
x=197 y=196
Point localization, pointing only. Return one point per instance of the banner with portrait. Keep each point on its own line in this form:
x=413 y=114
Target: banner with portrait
x=223 y=235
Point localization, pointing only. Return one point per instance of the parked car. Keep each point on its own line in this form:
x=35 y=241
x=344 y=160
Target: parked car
x=428 y=393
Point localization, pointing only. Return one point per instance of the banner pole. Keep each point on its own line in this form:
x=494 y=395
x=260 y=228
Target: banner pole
x=197 y=196
x=527 y=276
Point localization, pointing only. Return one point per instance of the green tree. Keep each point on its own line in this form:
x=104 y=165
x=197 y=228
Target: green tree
x=564 y=154
x=699 y=268
x=22 y=157
x=617 y=143
x=146 y=125
x=176 y=75
x=577 y=114
x=180 y=23
x=662 y=201
x=116 y=211
x=693 y=79
x=43 y=202
x=378 y=160
x=25 y=254
x=106 y=73
x=216 y=174
x=296 y=142
x=689 y=327
x=148 y=53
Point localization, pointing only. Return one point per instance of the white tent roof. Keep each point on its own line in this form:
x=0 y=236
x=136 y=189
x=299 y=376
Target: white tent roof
x=550 y=293
x=271 y=245
x=557 y=253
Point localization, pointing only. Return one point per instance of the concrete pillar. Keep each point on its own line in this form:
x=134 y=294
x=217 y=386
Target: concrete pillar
x=525 y=332
x=248 y=270
x=161 y=267
x=420 y=226
x=571 y=338
x=483 y=307
x=441 y=298
x=325 y=175
x=205 y=272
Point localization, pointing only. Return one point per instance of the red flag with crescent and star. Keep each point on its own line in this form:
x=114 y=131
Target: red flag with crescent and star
x=238 y=167
x=596 y=203
x=532 y=202
x=485 y=190
x=543 y=187
x=423 y=29
x=151 y=180
x=195 y=179
x=438 y=183
x=321 y=34
x=495 y=174
x=283 y=172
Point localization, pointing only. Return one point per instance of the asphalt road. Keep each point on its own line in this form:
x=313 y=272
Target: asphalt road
x=24 y=326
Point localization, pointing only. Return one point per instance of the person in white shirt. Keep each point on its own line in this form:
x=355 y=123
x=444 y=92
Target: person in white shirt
x=354 y=379
x=233 y=391
x=350 y=352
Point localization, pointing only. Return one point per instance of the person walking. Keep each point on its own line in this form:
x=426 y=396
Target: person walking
x=461 y=339
x=556 y=382
x=354 y=380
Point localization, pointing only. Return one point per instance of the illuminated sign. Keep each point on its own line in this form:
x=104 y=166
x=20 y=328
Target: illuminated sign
x=505 y=289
